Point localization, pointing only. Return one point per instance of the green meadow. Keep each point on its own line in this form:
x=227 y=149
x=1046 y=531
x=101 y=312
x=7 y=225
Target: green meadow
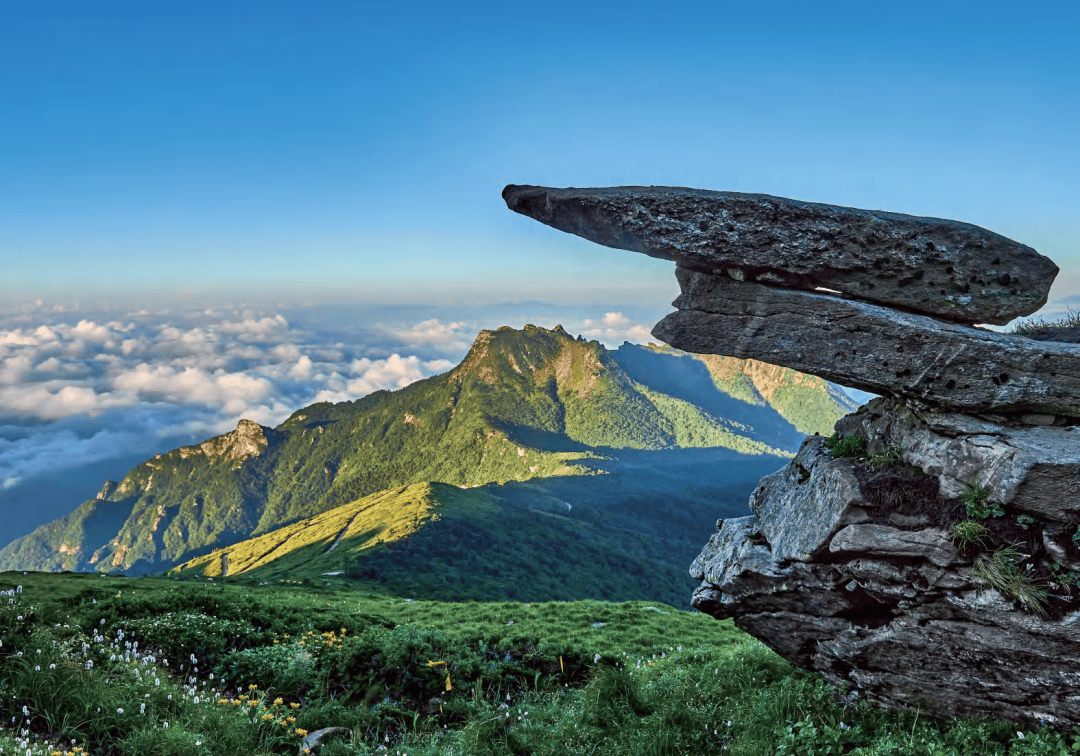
x=165 y=666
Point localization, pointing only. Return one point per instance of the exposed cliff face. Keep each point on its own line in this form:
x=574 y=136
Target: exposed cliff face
x=248 y=440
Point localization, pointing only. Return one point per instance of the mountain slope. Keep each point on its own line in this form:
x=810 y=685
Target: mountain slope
x=522 y=404
x=806 y=403
x=545 y=539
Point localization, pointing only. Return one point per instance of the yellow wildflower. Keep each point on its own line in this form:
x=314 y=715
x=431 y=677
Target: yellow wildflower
x=294 y=706
x=253 y=687
x=301 y=733
x=265 y=717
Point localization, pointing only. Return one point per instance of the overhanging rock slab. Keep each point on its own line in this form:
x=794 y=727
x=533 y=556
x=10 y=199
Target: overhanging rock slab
x=873 y=348
x=939 y=267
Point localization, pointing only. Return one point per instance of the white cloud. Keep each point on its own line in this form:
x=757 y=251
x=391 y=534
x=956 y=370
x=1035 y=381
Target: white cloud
x=615 y=328
x=14 y=369
x=433 y=333
x=193 y=385
x=302 y=370
x=261 y=329
x=88 y=330
x=392 y=373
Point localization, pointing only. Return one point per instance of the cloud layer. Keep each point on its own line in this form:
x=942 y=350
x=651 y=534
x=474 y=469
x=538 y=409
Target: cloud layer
x=74 y=391
x=85 y=387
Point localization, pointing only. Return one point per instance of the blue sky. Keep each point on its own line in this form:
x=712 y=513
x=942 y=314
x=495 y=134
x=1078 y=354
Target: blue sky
x=326 y=151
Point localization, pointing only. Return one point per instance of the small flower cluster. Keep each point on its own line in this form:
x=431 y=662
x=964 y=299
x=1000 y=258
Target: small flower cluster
x=260 y=711
x=315 y=642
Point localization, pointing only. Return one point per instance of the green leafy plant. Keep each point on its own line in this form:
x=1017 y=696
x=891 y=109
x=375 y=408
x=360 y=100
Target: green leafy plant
x=1062 y=575
x=887 y=456
x=1001 y=570
x=1025 y=521
x=581 y=677
x=975 y=499
x=846 y=446
x=969 y=533
x=1076 y=537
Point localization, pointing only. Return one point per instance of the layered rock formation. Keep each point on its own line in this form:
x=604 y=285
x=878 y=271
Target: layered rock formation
x=928 y=554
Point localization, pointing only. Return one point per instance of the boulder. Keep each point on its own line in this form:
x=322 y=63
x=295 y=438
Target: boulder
x=1032 y=468
x=873 y=348
x=897 y=613
x=313 y=741
x=943 y=268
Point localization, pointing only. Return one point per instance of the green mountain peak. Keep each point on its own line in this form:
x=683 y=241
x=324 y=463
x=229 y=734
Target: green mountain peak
x=523 y=404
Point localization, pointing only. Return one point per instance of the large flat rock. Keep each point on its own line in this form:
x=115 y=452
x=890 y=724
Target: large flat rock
x=939 y=267
x=874 y=348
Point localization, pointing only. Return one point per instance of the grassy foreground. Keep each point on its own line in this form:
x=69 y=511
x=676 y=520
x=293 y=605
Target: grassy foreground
x=109 y=665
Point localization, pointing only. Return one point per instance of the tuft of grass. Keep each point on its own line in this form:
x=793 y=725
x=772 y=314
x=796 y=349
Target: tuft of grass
x=975 y=499
x=846 y=446
x=1001 y=570
x=887 y=456
x=1071 y=320
x=969 y=533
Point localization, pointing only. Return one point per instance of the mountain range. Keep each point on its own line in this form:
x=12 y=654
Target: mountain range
x=534 y=430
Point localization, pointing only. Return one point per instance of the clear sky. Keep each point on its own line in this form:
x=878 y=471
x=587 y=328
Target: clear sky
x=330 y=150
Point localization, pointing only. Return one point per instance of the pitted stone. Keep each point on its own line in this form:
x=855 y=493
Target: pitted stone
x=803 y=504
x=931 y=544
x=934 y=266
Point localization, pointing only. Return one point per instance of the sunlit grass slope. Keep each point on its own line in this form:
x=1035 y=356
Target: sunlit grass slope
x=115 y=666
x=332 y=541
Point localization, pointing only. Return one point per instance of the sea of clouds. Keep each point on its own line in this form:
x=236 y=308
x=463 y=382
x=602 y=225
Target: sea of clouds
x=82 y=390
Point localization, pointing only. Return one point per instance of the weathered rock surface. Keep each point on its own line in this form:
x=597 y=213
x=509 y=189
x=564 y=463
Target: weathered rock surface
x=797 y=515
x=873 y=348
x=894 y=612
x=1033 y=468
x=939 y=267
x=940 y=568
